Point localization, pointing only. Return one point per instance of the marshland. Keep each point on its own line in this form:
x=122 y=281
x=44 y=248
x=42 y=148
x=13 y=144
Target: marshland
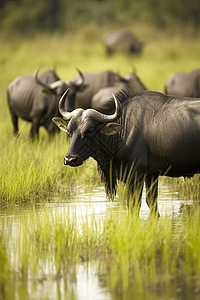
x=60 y=237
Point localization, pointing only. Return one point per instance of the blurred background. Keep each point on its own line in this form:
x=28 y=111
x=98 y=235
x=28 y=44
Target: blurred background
x=28 y=16
x=63 y=35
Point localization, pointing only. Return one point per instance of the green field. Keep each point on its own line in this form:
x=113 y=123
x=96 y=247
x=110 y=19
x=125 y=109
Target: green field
x=131 y=253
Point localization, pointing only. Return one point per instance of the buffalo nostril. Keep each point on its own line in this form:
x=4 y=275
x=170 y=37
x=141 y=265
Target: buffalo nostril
x=70 y=160
x=65 y=161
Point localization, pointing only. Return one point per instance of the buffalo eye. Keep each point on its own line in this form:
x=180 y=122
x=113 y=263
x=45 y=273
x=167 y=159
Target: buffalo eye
x=89 y=131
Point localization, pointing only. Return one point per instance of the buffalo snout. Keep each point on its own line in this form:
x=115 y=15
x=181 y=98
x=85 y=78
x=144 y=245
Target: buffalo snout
x=72 y=160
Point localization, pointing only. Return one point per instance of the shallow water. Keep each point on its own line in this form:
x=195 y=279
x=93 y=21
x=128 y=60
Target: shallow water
x=87 y=285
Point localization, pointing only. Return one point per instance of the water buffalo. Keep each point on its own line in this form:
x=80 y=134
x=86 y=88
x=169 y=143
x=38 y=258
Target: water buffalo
x=149 y=134
x=123 y=40
x=27 y=102
x=102 y=100
x=84 y=86
x=184 y=84
x=59 y=87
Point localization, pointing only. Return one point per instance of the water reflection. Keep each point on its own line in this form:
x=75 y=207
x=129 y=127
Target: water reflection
x=96 y=202
x=87 y=284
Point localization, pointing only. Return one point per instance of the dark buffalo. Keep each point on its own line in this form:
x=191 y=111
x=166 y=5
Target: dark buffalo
x=59 y=87
x=150 y=134
x=26 y=100
x=82 y=87
x=102 y=100
x=123 y=40
x=184 y=84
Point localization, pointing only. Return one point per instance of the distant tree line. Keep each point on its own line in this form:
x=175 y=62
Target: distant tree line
x=25 y=16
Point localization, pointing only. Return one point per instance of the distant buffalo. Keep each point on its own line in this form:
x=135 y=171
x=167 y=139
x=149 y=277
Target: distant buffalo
x=184 y=84
x=28 y=101
x=60 y=86
x=123 y=40
x=82 y=88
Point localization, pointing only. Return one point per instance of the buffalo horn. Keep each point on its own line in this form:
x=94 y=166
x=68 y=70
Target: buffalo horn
x=56 y=84
x=67 y=115
x=40 y=82
x=99 y=117
x=82 y=77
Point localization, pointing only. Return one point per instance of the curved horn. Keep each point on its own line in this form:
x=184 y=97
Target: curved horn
x=67 y=115
x=99 y=117
x=81 y=75
x=56 y=84
x=102 y=118
x=38 y=81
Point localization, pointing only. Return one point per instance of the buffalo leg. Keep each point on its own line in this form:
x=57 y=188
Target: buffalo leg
x=34 y=132
x=15 y=123
x=14 y=118
x=151 y=183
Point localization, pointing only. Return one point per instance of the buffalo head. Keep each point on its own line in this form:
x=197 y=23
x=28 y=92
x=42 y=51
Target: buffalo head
x=84 y=128
x=59 y=87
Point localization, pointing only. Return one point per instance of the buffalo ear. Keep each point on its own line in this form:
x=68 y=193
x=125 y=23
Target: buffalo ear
x=48 y=91
x=61 y=123
x=83 y=87
x=111 y=128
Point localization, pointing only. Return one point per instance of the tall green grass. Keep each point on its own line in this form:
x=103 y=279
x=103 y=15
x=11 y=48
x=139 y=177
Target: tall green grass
x=131 y=256
x=32 y=171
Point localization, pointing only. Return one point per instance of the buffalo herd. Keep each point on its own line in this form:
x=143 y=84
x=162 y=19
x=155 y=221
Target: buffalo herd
x=35 y=98
x=134 y=134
